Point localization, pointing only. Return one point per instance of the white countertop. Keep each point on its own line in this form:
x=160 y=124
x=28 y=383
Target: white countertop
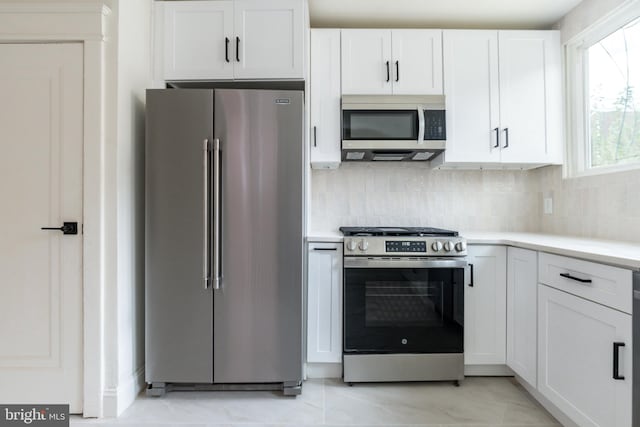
x=622 y=254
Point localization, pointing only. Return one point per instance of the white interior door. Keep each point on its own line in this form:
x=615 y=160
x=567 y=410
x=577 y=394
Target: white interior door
x=41 y=126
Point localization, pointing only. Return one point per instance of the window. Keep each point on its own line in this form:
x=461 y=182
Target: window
x=604 y=96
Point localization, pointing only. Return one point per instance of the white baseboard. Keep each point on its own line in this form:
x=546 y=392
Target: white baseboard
x=116 y=400
x=546 y=403
x=487 y=371
x=324 y=370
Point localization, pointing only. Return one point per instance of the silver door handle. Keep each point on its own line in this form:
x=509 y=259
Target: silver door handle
x=217 y=279
x=421 y=125
x=205 y=213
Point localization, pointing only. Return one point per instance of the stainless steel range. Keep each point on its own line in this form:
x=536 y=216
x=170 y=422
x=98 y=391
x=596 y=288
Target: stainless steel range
x=403 y=304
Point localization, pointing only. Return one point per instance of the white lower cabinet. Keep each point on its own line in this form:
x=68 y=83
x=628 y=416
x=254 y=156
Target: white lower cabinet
x=577 y=341
x=522 y=313
x=324 y=321
x=485 y=308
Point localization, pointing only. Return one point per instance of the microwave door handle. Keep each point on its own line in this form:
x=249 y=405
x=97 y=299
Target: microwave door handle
x=421 y=125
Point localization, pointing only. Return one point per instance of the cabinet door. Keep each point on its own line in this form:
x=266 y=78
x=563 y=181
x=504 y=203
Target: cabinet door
x=366 y=62
x=325 y=98
x=324 y=333
x=575 y=359
x=417 y=62
x=485 y=300
x=471 y=90
x=268 y=41
x=522 y=313
x=530 y=103
x=195 y=36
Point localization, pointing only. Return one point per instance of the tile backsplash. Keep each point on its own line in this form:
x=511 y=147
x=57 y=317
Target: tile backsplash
x=411 y=194
x=600 y=206
x=367 y=194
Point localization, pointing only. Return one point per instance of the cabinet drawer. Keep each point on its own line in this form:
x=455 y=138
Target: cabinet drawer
x=604 y=284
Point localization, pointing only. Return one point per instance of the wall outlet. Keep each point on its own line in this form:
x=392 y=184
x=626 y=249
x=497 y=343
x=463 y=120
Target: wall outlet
x=548 y=205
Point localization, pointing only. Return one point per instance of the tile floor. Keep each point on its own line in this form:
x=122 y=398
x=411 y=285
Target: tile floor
x=478 y=402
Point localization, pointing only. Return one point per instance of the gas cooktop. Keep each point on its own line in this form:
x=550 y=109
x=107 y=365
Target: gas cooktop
x=397 y=231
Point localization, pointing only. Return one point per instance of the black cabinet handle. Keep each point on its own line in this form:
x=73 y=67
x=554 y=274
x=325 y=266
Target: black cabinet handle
x=506 y=138
x=324 y=249
x=238 y=49
x=315 y=136
x=388 y=76
x=577 y=279
x=397 y=71
x=497 y=131
x=616 y=360
x=226 y=49
x=471 y=281
x=67 y=228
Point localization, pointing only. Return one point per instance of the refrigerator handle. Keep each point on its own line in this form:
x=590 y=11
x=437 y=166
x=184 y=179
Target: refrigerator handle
x=217 y=278
x=205 y=213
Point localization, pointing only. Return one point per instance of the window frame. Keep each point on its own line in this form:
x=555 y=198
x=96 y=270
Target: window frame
x=577 y=152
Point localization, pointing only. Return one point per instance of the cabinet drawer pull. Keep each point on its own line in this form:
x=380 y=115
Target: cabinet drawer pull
x=226 y=49
x=237 y=49
x=471 y=278
x=324 y=249
x=315 y=136
x=497 y=131
x=577 y=279
x=616 y=360
x=388 y=75
x=397 y=71
x=506 y=138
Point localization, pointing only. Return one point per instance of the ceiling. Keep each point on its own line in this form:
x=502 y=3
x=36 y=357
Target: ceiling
x=525 y=14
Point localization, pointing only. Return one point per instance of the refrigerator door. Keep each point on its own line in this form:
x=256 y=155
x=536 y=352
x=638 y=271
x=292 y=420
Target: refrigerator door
x=258 y=309
x=179 y=310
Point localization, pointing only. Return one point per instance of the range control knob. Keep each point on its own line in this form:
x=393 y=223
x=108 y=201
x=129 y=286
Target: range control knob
x=364 y=245
x=436 y=246
x=461 y=246
x=351 y=245
x=448 y=247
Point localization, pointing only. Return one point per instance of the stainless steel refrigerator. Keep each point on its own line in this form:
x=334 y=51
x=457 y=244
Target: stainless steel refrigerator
x=224 y=227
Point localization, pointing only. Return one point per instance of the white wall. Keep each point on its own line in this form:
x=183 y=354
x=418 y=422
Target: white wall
x=583 y=15
x=601 y=206
x=128 y=59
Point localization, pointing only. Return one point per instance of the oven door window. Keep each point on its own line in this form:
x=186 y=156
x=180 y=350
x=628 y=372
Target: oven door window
x=380 y=124
x=398 y=310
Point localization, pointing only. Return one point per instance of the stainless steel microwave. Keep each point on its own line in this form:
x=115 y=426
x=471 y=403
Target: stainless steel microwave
x=392 y=127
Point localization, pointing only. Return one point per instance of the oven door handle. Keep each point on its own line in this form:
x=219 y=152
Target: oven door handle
x=361 y=262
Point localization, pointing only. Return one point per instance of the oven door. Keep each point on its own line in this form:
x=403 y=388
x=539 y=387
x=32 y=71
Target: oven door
x=403 y=305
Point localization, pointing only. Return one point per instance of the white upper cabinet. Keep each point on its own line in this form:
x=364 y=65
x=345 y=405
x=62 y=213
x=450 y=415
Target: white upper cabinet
x=485 y=300
x=197 y=38
x=232 y=39
x=325 y=98
x=366 y=62
x=385 y=62
x=269 y=39
x=522 y=314
x=417 y=62
x=471 y=88
x=503 y=97
x=530 y=96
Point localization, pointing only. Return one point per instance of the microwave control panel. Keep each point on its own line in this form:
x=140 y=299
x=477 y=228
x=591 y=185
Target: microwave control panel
x=435 y=126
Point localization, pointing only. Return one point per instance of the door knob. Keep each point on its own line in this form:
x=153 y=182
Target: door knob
x=67 y=228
